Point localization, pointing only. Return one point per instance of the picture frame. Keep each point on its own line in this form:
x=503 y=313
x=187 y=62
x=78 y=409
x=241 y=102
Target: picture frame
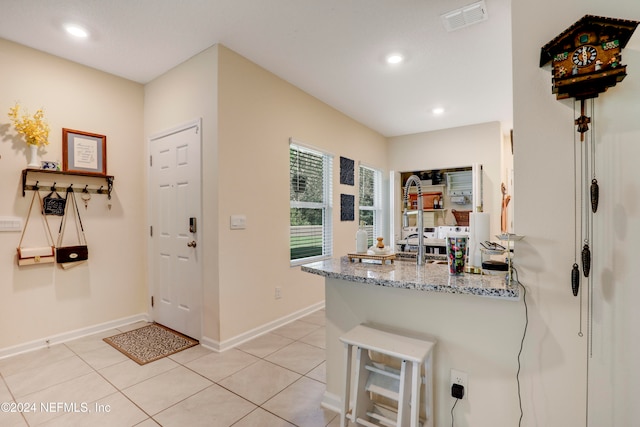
x=84 y=152
x=347 y=171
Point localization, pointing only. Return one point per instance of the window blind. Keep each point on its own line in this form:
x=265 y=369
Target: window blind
x=370 y=201
x=310 y=204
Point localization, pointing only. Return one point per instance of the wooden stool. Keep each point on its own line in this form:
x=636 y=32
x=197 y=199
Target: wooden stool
x=402 y=386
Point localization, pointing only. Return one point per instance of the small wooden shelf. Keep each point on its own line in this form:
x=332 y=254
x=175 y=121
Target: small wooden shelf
x=91 y=183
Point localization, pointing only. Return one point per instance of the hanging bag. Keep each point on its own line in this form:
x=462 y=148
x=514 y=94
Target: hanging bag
x=76 y=253
x=54 y=203
x=36 y=255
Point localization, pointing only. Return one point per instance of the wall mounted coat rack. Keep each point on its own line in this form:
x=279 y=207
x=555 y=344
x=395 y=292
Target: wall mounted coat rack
x=34 y=179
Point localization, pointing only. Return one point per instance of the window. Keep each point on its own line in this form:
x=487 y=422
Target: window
x=370 y=202
x=310 y=204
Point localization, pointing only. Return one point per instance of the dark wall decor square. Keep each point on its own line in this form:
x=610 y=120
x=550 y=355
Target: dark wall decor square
x=347 y=207
x=347 y=171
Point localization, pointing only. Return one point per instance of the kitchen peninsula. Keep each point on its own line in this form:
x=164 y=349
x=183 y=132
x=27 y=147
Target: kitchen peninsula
x=464 y=314
x=406 y=275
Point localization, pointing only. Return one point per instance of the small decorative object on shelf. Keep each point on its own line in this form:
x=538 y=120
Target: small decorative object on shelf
x=35 y=130
x=361 y=239
x=49 y=165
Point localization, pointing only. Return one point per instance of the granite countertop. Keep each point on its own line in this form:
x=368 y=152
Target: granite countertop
x=430 y=277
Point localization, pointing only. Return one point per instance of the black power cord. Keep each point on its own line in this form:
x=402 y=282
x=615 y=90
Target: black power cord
x=454 y=406
x=524 y=334
x=457 y=391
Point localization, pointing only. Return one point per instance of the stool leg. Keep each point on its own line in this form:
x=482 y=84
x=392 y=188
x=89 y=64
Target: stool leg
x=415 y=393
x=403 y=395
x=346 y=390
x=428 y=387
x=361 y=400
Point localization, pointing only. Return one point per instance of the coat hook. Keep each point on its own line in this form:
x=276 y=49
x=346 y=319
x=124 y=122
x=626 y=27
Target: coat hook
x=86 y=189
x=35 y=187
x=100 y=189
x=53 y=187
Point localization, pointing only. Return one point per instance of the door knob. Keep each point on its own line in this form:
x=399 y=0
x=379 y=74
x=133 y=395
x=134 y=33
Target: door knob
x=192 y=244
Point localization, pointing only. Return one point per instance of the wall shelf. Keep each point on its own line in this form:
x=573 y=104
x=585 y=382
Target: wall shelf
x=35 y=179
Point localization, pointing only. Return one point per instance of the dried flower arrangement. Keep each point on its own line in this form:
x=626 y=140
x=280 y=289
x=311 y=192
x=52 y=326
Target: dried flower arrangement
x=34 y=128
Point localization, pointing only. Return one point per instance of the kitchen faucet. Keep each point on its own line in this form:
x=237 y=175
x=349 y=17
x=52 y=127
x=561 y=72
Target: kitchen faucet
x=414 y=179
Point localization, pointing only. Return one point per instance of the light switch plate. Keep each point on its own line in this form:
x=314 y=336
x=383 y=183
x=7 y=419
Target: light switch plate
x=10 y=223
x=238 y=222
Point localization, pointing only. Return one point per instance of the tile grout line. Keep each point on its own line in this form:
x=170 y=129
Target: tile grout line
x=79 y=355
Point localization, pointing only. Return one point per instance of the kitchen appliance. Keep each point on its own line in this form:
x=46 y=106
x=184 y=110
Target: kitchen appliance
x=409 y=239
x=434 y=239
x=443 y=230
x=429 y=232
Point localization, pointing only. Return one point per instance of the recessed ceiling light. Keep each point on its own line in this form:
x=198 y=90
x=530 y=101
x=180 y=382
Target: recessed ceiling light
x=437 y=111
x=394 y=58
x=76 y=31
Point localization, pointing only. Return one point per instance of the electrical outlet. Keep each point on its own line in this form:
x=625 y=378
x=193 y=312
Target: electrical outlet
x=459 y=377
x=278 y=293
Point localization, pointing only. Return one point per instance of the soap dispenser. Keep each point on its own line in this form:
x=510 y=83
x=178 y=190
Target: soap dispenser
x=361 y=239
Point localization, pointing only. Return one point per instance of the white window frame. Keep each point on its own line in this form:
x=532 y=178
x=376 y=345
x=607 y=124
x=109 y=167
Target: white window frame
x=376 y=231
x=326 y=205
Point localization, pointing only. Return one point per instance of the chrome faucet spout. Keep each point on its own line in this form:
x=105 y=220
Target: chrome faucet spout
x=414 y=179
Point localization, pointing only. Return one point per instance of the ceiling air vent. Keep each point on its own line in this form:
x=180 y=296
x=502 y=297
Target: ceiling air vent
x=465 y=16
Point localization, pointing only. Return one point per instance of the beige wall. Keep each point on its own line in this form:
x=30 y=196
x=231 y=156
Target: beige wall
x=43 y=301
x=556 y=360
x=248 y=117
x=457 y=147
x=185 y=93
x=251 y=130
x=259 y=112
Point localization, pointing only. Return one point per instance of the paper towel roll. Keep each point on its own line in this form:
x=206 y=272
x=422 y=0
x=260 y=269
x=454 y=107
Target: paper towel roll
x=478 y=232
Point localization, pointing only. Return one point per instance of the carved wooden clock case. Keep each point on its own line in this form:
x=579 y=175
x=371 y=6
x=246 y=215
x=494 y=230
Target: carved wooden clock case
x=587 y=56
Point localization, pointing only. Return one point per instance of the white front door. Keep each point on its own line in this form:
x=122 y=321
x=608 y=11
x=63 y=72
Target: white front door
x=175 y=216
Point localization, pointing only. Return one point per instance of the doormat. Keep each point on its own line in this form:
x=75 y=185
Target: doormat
x=150 y=343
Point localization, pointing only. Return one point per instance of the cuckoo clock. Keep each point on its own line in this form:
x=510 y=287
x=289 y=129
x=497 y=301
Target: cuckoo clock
x=586 y=61
x=587 y=56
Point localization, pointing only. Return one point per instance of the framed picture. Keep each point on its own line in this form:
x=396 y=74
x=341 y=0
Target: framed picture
x=347 y=171
x=84 y=152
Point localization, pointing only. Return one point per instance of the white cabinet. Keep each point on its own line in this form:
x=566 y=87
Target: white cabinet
x=460 y=183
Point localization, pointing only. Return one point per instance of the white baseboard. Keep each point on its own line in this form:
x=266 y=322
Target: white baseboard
x=332 y=402
x=218 y=346
x=206 y=342
x=72 y=335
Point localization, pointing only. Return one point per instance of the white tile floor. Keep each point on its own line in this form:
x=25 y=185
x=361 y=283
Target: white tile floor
x=275 y=380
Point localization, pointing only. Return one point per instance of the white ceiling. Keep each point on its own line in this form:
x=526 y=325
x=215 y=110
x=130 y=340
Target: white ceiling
x=331 y=49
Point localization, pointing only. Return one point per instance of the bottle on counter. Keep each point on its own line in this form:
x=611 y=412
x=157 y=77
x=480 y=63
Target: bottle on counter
x=361 y=239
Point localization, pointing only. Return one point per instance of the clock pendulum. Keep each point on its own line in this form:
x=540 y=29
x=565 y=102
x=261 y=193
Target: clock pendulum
x=575 y=271
x=587 y=154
